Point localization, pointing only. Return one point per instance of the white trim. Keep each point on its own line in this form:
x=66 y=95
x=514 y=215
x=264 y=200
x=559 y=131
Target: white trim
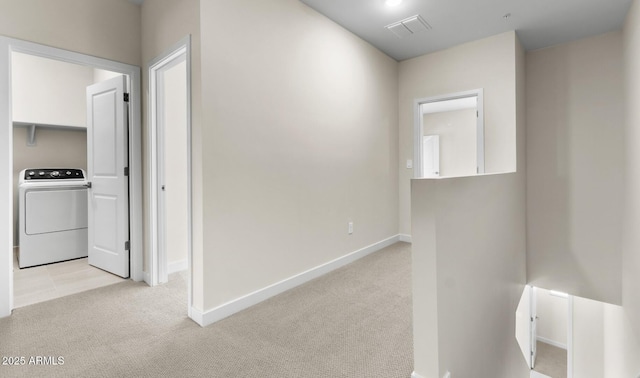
x=570 y=337
x=223 y=311
x=177 y=266
x=6 y=181
x=418 y=129
x=158 y=257
x=416 y=375
x=197 y=316
x=405 y=238
x=9 y=45
x=551 y=342
x=146 y=277
x=181 y=48
x=533 y=325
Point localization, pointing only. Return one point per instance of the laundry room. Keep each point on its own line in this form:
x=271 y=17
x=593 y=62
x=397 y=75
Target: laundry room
x=49 y=110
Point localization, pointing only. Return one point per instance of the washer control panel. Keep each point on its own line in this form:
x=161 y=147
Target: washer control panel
x=53 y=174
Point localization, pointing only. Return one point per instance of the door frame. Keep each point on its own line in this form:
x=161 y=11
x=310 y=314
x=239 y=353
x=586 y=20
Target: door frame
x=569 y=336
x=533 y=309
x=9 y=45
x=156 y=241
x=418 y=127
x=569 y=315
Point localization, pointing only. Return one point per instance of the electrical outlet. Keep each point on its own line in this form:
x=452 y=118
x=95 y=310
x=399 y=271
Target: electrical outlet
x=409 y=164
x=447 y=375
x=350 y=228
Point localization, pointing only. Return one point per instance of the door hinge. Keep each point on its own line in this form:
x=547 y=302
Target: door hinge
x=126 y=171
x=477 y=113
x=126 y=97
x=127 y=245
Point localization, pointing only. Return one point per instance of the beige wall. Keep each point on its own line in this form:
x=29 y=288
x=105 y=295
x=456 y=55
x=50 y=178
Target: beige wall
x=55 y=148
x=300 y=128
x=164 y=23
x=631 y=214
x=468 y=275
x=105 y=28
x=487 y=64
x=458 y=140
x=574 y=160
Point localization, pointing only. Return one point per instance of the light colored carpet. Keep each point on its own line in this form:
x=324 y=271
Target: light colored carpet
x=551 y=360
x=354 y=322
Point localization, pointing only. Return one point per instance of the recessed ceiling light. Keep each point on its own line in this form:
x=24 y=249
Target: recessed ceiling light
x=392 y=3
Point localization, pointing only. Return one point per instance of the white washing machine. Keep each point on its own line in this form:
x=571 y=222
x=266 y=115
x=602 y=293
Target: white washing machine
x=52 y=216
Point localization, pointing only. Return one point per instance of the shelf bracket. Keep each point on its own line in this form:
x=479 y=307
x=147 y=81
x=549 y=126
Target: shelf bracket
x=31 y=140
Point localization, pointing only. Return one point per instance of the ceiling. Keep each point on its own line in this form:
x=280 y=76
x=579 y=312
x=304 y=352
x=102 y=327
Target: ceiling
x=538 y=23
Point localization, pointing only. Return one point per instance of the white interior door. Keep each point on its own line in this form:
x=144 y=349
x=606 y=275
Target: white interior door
x=523 y=325
x=534 y=327
x=431 y=154
x=107 y=166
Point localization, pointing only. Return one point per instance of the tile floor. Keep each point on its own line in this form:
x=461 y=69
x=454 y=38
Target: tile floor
x=46 y=282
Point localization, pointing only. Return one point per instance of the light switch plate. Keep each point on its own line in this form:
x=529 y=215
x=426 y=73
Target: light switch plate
x=409 y=164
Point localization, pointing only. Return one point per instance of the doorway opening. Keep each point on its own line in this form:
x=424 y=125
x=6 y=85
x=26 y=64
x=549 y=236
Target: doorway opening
x=544 y=332
x=51 y=256
x=449 y=135
x=170 y=157
x=61 y=127
x=551 y=337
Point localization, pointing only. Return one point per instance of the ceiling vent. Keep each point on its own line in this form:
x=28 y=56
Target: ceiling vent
x=412 y=25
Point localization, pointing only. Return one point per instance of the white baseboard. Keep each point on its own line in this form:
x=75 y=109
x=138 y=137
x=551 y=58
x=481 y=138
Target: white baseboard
x=405 y=238
x=551 y=342
x=415 y=375
x=177 y=266
x=197 y=316
x=216 y=314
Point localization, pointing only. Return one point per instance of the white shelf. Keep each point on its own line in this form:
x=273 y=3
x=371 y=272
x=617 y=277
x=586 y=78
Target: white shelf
x=31 y=141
